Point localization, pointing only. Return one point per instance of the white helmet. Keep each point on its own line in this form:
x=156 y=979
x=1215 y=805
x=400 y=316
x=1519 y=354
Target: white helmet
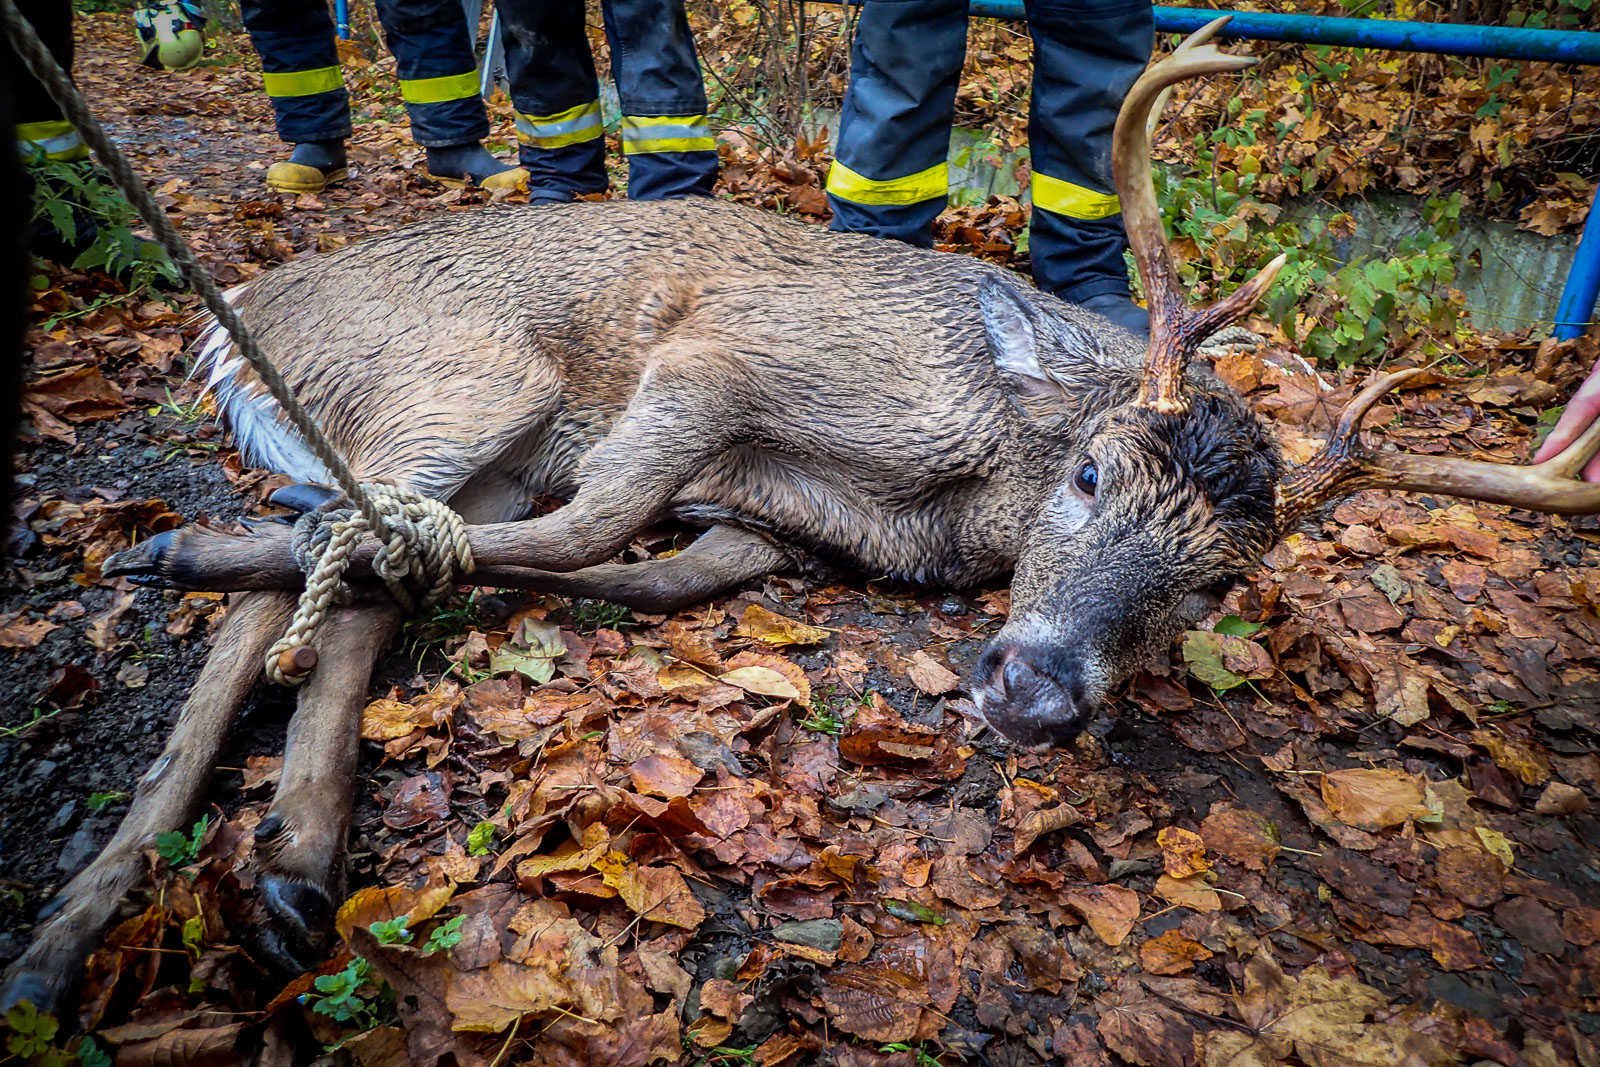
x=169 y=35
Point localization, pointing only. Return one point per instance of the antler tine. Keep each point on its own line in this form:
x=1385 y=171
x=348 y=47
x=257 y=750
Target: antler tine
x=1189 y=43
x=1174 y=331
x=1341 y=467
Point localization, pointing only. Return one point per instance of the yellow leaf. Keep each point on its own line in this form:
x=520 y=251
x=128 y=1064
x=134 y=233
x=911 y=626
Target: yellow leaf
x=1373 y=799
x=762 y=680
x=387 y=903
x=1190 y=892
x=775 y=629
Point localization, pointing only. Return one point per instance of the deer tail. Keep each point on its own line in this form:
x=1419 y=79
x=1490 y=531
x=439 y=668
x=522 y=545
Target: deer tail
x=263 y=435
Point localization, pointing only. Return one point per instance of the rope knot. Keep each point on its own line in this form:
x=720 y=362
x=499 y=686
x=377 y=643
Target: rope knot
x=425 y=547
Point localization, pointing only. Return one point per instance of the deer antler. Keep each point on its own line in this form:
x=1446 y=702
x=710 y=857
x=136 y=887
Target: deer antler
x=1343 y=467
x=1175 y=329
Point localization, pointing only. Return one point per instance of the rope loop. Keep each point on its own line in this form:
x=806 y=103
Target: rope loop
x=425 y=550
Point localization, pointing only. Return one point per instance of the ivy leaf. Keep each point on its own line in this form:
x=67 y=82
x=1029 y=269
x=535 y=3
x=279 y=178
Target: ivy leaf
x=1234 y=626
x=1202 y=651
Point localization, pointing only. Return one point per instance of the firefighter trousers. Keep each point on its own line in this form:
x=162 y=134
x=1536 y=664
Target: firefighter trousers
x=666 y=138
x=891 y=176
x=432 y=46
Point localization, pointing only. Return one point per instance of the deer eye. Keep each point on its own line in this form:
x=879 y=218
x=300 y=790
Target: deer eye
x=1087 y=480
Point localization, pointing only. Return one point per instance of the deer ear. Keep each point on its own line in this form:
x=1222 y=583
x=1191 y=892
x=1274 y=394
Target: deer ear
x=1008 y=324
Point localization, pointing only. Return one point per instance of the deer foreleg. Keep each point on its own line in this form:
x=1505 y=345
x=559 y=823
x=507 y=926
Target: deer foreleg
x=165 y=799
x=300 y=842
x=723 y=557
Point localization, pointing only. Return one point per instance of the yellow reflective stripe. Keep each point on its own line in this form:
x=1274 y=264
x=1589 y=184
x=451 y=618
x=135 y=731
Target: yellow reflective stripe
x=666 y=133
x=928 y=184
x=302 y=82
x=1074 y=201
x=55 y=138
x=439 y=90
x=572 y=126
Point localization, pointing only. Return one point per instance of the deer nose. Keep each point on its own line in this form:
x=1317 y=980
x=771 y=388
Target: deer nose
x=1036 y=697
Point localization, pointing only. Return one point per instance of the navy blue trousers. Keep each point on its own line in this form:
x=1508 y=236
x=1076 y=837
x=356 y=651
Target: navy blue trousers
x=665 y=134
x=432 y=45
x=890 y=173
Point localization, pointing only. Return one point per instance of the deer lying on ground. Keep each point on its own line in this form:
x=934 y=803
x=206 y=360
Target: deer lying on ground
x=797 y=392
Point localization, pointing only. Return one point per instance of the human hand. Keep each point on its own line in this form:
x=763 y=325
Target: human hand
x=1582 y=411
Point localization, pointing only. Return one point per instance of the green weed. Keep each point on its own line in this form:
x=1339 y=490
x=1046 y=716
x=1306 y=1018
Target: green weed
x=66 y=194
x=181 y=849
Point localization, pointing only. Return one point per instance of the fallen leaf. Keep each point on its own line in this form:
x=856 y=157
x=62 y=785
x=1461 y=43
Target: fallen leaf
x=763 y=681
x=930 y=676
x=19 y=631
x=1194 y=893
x=1183 y=852
x=1110 y=910
x=1241 y=835
x=1373 y=799
x=771 y=628
x=665 y=776
x=1171 y=953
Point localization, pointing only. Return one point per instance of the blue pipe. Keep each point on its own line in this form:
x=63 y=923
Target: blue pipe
x=1576 y=310
x=341 y=19
x=1443 y=38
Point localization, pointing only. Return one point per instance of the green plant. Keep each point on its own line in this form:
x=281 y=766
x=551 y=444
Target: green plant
x=98 y=802
x=180 y=849
x=392 y=931
x=347 y=996
x=74 y=198
x=829 y=713
x=1345 y=312
x=591 y=615
x=480 y=838
x=450 y=619
x=39 y=716
x=445 y=937
x=924 y=1057
x=32 y=1031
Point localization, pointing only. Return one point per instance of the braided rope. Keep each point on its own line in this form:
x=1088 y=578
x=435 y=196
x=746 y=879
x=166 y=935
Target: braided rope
x=427 y=544
x=424 y=539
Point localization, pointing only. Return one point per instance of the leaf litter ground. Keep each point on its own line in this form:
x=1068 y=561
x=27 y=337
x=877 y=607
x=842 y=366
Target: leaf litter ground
x=1352 y=823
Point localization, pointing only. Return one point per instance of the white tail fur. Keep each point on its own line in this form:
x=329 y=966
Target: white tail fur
x=262 y=434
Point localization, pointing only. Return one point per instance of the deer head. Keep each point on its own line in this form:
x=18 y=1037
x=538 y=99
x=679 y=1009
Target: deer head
x=1178 y=489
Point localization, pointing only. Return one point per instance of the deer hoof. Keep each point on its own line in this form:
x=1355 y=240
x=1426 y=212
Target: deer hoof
x=299 y=916
x=145 y=563
x=303 y=496
x=45 y=994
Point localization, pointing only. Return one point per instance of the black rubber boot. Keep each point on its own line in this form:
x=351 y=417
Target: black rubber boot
x=313 y=166
x=1122 y=311
x=460 y=164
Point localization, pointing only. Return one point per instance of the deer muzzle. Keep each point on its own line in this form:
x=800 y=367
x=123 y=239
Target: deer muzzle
x=1037 y=696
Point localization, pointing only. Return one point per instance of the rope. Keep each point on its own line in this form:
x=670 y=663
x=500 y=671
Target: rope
x=399 y=517
x=427 y=544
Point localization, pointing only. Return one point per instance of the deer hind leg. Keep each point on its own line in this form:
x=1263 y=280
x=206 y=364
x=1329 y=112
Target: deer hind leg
x=165 y=799
x=723 y=557
x=300 y=842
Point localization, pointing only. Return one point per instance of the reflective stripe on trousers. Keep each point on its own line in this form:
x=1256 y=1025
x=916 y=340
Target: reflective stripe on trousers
x=895 y=128
x=668 y=144
x=572 y=126
x=673 y=133
x=56 y=139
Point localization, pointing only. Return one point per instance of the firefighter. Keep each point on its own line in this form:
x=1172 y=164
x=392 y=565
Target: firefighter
x=665 y=136
x=433 y=45
x=890 y=177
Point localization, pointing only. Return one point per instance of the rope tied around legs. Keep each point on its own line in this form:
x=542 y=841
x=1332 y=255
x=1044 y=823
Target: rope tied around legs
x=424 y=550
x=424 y=540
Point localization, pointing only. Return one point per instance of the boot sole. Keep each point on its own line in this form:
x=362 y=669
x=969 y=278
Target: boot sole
x=333 y=178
